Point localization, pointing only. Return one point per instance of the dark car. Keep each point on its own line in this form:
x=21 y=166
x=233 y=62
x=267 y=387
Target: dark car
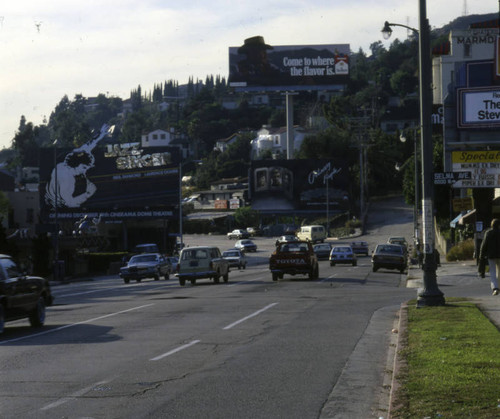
x=246 y=245
x=389 y=256
x=322 y=250
x=147 y=265
x=22 y=296
x=360 y=248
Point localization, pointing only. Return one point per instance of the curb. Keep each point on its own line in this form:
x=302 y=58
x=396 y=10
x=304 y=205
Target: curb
x=399 y=363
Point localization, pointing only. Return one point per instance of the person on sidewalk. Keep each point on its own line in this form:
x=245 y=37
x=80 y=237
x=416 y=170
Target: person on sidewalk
x=490 y=249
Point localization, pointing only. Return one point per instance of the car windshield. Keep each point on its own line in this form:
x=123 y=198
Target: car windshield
x=230 y=254
x=342 y=249
x=322 y=247
x=194 y=254
x=143 y=258
x=389 y=249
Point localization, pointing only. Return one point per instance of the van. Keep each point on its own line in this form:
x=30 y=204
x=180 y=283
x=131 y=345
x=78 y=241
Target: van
x=313 y=234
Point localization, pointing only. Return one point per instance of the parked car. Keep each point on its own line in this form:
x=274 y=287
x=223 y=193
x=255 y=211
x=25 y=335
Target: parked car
x=147 y=265
x=389 y=256
x=238 y=234
x=253 y=231
x=22 y=296
x=343 y=254
x=200 y=262
x=173 y=260
x=246 y=245
x=236 y=258
x=322 y=250
x=360 y=248
x=286 y=238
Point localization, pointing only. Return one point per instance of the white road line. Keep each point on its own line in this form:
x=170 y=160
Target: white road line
x=173 y=351
x=249 y=317
x=73 y=396
x=75 y=324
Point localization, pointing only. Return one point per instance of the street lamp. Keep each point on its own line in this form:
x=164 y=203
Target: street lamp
x=402 y=138
x=430 y=295
x=56 y=220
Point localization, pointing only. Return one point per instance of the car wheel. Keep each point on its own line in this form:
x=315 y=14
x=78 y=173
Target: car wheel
x=182 y=282
x=126 y=280
x=354 y=263
x=157 y=277
x=402 y=271
x=193 y=282
x=139 y=280
x=375 y=268
x=226 y=277
x=275 y=277
x=244 y=266
x=2 y=319
x=332 y=263
x=166 y=276
x=37 y=315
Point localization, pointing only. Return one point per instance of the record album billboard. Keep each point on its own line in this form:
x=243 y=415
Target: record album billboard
x=112 y=181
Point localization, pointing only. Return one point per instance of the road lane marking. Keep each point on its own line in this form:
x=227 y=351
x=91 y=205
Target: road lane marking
x=173 y=351
x=73 y=396
x=249 y=317
x=75 y=324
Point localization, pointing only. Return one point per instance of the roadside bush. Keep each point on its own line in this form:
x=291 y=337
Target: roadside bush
x=99 y=262
x=462 y=251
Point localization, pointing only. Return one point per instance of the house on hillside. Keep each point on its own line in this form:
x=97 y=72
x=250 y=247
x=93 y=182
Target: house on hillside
x=274 y=140
x=163 y=138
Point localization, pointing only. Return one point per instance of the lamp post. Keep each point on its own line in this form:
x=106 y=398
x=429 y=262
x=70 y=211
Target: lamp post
x=180 y=206
x=402 y=138
x=430 y=295
x=56 y=219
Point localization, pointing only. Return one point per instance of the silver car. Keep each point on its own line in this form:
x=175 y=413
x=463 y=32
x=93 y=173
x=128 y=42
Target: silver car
x=146 y=265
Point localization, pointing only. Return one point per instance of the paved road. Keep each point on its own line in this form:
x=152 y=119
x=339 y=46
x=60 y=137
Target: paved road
x=251 y=348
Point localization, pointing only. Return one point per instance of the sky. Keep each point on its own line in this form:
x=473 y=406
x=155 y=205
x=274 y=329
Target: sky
x=52 y=48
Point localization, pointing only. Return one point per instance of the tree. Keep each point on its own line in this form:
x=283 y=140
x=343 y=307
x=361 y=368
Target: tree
x=246 y=216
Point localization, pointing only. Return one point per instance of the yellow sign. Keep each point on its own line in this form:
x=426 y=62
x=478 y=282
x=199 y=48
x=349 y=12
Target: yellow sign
x=484 y=168
x=462 y=204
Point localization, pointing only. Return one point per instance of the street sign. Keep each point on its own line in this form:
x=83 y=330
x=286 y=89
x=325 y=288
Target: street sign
x=449 y=178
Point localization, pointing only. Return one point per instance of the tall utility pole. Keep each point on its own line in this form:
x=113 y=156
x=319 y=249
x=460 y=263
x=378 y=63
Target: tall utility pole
x=430 y=295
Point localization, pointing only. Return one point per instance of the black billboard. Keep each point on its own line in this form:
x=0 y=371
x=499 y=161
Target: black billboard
x=257 y=64
x=291 y=185
x=113 y=181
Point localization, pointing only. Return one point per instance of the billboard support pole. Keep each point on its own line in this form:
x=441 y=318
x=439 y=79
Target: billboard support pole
x=289 y=125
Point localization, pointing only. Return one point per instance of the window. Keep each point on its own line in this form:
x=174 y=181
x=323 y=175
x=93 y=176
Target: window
x=155 y=136
x=11 y=268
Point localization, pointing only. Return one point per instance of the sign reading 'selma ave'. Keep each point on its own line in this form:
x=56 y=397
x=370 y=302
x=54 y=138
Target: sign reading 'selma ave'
x=256 y=63
x=479 y=108
x=113 y=181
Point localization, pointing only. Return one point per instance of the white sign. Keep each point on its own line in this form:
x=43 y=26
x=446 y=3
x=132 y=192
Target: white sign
x=478 y=107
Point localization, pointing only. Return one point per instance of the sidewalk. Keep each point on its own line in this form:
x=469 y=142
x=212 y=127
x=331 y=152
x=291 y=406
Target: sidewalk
x=464 y=272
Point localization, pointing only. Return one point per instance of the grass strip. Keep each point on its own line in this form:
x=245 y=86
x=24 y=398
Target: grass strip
x=451 y=364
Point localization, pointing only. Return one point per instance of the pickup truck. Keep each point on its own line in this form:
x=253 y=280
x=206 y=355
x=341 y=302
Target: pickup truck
x=22 y=296
x=294 y=258
x=201 y=262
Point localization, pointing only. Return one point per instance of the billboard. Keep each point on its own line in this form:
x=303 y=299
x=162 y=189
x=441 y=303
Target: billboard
x=113 y=181
x=479 y=108
x=290 y=185
x=483 y=166
x=257 y=64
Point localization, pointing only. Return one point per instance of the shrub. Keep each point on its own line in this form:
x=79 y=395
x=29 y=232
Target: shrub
x=462 y=251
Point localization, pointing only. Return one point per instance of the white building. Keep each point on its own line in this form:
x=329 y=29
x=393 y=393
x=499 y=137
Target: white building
x=274 y=140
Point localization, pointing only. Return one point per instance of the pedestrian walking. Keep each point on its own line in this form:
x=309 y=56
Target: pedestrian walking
x=490 y=249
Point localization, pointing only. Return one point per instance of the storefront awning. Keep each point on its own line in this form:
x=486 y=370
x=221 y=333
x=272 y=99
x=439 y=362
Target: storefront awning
x=464 y=218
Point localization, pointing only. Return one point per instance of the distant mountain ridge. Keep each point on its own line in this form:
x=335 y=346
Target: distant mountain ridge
x=463 y=22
